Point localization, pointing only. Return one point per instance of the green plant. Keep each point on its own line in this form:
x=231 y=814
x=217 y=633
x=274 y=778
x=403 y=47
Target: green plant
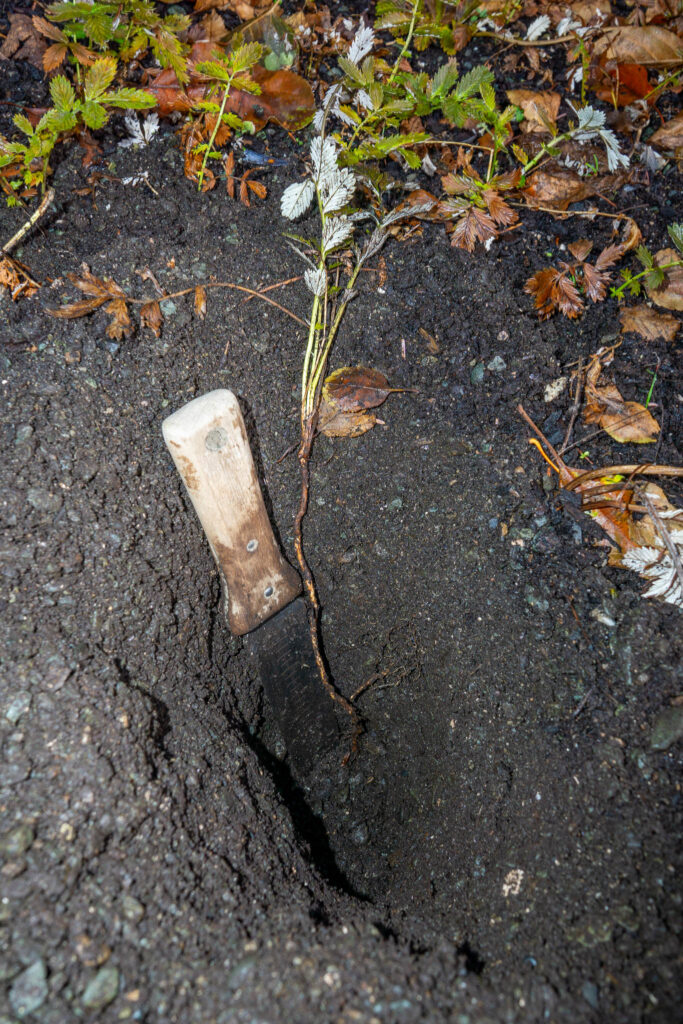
x=590 y=125
x=654 y=274
x=375 y=98
x=89 y=106
x=127 y=29
x=433 y=21
x=226 y=71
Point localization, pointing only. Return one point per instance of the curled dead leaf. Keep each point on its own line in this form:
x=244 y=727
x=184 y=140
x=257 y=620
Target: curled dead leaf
x=348 y=395
x=650 y=45
x=333 y=423
x=152 y=317
x=626 y=422
x=648 y=323
x=16 y=278
x=669 y=137
x=670 y=295
x=540 y=108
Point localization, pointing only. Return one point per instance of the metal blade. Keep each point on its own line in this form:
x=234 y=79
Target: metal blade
x=284 y=654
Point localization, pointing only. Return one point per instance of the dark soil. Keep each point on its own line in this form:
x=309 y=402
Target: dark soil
x=503 y=845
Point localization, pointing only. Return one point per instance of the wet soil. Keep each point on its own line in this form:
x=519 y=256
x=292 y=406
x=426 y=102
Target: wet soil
x=503 y=846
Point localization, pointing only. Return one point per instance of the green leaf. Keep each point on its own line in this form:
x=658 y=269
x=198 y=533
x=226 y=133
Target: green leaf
x=129 y=99
x=246 y=85
x=676 y=235
x=445 y=78
x=62 y=93
x=645 y=256
x=654 y=278
x=99 y=77
x=23 y=124
x=214 y=69
x=351 y=71
x=59 y=121
x=93 y=114
x=376 y=94
x=412 y=159
x=246 y=56
x=473 y=80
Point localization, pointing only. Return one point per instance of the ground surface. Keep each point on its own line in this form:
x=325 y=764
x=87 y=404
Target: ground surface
x=159 y=863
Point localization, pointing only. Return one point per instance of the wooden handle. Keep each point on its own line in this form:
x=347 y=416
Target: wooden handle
x=208 y=441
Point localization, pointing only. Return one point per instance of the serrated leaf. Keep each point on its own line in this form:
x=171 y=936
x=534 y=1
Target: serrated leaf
x=676 y=235
x=297 y=198
x=352 y=72
x=473 y=80
x=93 y=114
x=214 y=69
x=99 y=77
x=246 y=56
x=445 y=78
x=62 y=93
x=23 y=124
x=129 y=99
x=645 y=256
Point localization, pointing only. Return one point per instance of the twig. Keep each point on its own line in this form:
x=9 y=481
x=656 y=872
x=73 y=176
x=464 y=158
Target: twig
x=644 y=469
x=226 y=284
x=271 y=287
x=575 y=407
x=35 y=216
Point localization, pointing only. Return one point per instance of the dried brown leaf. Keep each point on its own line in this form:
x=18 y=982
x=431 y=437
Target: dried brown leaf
x=16 y=278
x=626 y=422
x=474 y=226
x=540 y=109
x=23 y=42
x=200 y=301
x=580 y=248
x=553 y=291
x=120 y=321
x=355 y=388
x=670 y=295
x=258 y=188
x=594 y=282
x=152 y=317
x=333 y=423
x=670 y=136
x=501 y=213
x=651 y=45
x=556 y=188
x=648 y=323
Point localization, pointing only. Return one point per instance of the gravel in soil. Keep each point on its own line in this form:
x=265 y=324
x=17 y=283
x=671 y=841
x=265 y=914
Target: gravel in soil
x=503 y=846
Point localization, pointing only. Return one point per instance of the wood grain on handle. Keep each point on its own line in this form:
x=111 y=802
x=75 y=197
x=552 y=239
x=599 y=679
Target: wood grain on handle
x=208 y=441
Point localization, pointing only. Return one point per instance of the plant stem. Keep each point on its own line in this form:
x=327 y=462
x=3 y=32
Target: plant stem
x=214 y=133
x=618 y=291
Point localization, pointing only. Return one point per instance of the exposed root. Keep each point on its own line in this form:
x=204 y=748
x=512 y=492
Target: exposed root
x=313 y=604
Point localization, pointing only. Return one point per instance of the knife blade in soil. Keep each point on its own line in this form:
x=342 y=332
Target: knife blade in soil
x=208 y=442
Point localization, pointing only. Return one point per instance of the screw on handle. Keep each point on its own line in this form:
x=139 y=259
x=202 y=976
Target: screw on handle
x=208 y=441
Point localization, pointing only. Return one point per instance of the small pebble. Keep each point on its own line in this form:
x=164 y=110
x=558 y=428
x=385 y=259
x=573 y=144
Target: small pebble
x=17 y=841
x=497 y=364
x=29 y=991
x=102 y=989
x=667 y=729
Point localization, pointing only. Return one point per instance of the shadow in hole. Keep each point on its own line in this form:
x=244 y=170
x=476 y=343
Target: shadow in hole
x=160 y=724
x=474 y=964
x=307 y=825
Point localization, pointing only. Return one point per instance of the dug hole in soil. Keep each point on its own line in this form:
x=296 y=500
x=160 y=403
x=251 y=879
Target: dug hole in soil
x=503 y=845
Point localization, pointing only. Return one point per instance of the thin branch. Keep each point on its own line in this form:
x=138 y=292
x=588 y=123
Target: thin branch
x=644 y=469
x=35 y=216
